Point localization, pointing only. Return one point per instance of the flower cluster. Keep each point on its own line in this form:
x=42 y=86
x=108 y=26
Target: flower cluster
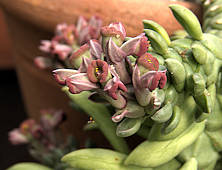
x=121 y=72
x=67 y=39
x=31 y=131
x=46 y=143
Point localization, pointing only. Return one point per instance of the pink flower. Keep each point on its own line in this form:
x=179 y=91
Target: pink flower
x=113 y=86
x=80 y=82
x=51 y=118
x=17 y=138
x=43 y=62
x=46 y=46
x=143 y=85
x=136 y=46
x=114 y=30
x=148 y=62
x=76 y=57
x=31 y=129
x=88 y=30
x=62 y=74
x=98 y=71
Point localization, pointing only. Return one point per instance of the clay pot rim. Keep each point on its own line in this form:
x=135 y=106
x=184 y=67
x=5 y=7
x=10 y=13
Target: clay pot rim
x=34 y=11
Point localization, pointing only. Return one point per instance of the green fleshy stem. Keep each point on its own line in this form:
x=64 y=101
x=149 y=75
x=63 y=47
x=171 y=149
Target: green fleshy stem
x=102 y=117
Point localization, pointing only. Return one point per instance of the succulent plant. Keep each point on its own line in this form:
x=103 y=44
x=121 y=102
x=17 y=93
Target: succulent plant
x=169 y=92
x=46 y=143
x=67 y=39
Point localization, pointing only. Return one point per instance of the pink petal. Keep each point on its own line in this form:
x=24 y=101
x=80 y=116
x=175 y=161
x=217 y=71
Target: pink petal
x=62 y=74
x=43 y=62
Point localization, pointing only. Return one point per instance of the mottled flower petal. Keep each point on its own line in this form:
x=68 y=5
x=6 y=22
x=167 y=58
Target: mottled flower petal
x=84 y=65
x=76 y=57
x=95 y=49
x=70 y=34
x=113 y=86
x=96 y=23
x=119 y=26
x=81 y=23
x=149 y=62
x=108 y=31
x=62 y=50
x=115 y=54
x=143 y=95
x=62 y=74
x=98 y=71
x=80 y=82
x=136 y=46
x=154 y=79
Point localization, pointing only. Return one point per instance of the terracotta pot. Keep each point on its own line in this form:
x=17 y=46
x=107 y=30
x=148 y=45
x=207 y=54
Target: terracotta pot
x=32 y=20
x=6 y=60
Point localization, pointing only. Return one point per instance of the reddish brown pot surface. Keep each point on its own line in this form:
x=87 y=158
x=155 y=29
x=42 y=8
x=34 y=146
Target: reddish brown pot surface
x=30 y=21
x=6 y=60
x=46 y=13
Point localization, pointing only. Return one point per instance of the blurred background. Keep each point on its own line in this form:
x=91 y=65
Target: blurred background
x=12 y=106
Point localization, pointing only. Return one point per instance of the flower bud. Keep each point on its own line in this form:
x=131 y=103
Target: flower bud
x=117 y=57
x=43 y=62
x=31 y=129
x=84 y=65
x=113 y=86
x=76 y=57
x=69 y=34
x=80 y=82
x=60 y=28
x=154 y=79
x=98 y=71
x=46 y=46
x=62 y=50
x=136 y=46
x=95 y=49
x=62 y=74
x=147 y=63
x=88 y=30
x=51 y=119
x=17 y=138
x=115 y=31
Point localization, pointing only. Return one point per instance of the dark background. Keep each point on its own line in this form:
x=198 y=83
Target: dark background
x=12 y=113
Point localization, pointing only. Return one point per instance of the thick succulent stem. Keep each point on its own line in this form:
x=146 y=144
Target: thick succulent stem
x=102 y=117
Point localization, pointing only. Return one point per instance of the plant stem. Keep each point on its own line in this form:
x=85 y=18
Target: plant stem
x=102 y=117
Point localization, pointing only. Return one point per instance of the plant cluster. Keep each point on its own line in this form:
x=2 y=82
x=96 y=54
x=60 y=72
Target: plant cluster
x=167 y=90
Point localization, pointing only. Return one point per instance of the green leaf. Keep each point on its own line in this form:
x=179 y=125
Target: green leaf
x=190 y=165
x=188 y=20
x=98 y=159
x=213 y=43
x=149 y=24
x=128 y=127
x=163 y=114
x=177 y=72
x=28 y=166
x=171 y=165
x=157 y=41
x=154 y=153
